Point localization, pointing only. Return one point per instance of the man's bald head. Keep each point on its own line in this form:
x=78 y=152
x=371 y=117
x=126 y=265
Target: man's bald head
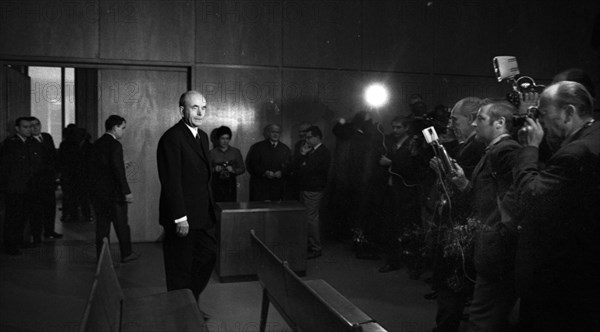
x=565 y=93
x=187 y=95
x=192 y=106
x=462 y=115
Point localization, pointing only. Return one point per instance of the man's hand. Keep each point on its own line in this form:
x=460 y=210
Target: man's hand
x=458 y=176
x=435 y=164
x=229 y=169
x=385 y=161
x=269 y=174
x=182 y=229
x=129 y=198
x=304 y=149
x=528 y=99
x=277 y=175
x=218 y=168
x=534 y=133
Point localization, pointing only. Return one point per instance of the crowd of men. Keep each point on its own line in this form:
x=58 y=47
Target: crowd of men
x=523 y=186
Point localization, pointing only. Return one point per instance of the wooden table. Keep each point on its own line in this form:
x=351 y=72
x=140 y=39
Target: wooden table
x=280 y=225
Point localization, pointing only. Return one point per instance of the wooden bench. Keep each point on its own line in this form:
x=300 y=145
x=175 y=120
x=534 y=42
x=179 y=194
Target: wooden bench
x=312 y=305
x=107 y=308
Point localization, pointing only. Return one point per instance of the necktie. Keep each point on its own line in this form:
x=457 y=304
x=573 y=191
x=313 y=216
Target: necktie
x=198 y=139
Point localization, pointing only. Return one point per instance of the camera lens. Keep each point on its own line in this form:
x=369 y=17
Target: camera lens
x=533 y=112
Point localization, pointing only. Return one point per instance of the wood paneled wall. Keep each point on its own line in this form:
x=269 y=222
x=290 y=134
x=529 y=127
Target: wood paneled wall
x=15 y=99
x=148 y=102
x=289 y=61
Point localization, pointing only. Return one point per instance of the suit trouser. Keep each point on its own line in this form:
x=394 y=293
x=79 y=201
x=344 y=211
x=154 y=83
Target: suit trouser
x=312 y=202
x=450 y=306
x=16 y=218
x=189 y=260
x=20 y=209
x=108 y=212
x=492 y=304
x=48 y=198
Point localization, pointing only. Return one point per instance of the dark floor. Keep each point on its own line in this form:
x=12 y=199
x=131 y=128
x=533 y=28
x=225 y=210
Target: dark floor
x=46 y=288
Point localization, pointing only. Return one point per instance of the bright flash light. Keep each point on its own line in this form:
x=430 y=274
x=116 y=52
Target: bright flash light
x=376 y=95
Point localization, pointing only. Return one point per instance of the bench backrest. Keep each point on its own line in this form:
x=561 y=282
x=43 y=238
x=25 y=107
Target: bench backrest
x=107 y=304
x=270 y=273
x=94 y=312
x=302 y=308
x=309 y=311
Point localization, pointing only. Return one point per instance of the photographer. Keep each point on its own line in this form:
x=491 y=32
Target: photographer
x=494 y=294
x=448 y=280
x=556 y=272
x=227 y=163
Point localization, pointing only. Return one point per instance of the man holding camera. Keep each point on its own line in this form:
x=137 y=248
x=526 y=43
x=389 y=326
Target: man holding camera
x=557 y=257
x=494 y=293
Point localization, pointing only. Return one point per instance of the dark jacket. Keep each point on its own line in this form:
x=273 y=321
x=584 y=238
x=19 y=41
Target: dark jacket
x=312 y=169
x=184 y=173
x=20 y=164
x=559 y=245
x=491 y=179
x=108 y=170
x=49 y=171
x=264 y=157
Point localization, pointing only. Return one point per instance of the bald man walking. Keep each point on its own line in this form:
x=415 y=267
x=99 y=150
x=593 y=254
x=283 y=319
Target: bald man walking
x=186 y=203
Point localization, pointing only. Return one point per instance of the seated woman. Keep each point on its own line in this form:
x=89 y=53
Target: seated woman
x=226 y=163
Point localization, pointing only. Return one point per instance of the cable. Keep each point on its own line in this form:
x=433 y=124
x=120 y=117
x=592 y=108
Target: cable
x=389 y=170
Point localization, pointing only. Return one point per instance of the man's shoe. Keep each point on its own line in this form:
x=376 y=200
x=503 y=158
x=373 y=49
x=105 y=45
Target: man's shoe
x=130 y=258
x=389 y=268
x=314 y=254
x=53 y=235
x=430 y=296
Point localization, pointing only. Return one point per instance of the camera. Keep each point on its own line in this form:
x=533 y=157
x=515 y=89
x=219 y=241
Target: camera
x=521 y=125
x=506 y=68
x=533 y=112
x=224 y=173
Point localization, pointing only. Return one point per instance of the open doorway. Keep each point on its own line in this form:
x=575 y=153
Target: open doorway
x=53 y=98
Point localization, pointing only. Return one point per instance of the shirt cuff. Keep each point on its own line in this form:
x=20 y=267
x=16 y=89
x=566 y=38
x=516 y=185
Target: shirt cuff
x=182 y=219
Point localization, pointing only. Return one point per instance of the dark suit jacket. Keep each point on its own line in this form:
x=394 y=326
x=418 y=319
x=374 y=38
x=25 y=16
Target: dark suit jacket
x=559 y=245
x=184 y=173
x=20 y=162
x=312 y=169
x=49 y=156
x=491 y=179
x=108 y=170
x=263 y=157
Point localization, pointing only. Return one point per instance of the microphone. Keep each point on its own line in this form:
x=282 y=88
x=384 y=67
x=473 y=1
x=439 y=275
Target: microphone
x=432 y=139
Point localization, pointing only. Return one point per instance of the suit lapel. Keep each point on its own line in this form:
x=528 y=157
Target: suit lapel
x=191 y=140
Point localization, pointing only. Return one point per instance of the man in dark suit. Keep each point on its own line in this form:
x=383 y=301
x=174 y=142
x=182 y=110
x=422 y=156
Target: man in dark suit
x=467 y=153
x=186 y=204
x=111 y=192
x=20 y=161
x=494 y=295
x=402 y=165
x=47 y=178
x=312 y=168
x=558 y=251
x=268 y=163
